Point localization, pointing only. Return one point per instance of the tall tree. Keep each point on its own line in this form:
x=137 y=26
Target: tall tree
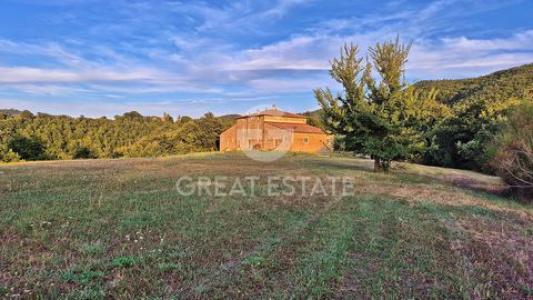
x=513 y=150
x=381 y=117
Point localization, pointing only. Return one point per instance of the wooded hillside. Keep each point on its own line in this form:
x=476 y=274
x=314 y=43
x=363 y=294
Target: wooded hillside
x=501 y=85
x=480 y=108
x=42 y=136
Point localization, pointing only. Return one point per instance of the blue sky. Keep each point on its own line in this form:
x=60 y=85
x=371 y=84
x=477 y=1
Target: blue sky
x=97 y=58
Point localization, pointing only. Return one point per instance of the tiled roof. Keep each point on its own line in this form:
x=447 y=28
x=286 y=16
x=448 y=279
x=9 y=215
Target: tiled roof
x=303 y=128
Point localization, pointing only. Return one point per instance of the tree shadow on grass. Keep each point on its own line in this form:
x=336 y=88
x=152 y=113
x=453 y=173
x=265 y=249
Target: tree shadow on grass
x=342 y=165
x=402 y=174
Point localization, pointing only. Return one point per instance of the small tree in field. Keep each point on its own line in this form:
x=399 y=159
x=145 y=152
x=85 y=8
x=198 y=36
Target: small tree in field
x=384 y=117
x=513 y=158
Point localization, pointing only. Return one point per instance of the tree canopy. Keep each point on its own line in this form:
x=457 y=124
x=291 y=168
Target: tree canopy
x=381 y=116
x=26 y=136
x=479 y=111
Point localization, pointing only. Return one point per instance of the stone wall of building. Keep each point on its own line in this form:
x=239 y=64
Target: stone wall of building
x=264 y=133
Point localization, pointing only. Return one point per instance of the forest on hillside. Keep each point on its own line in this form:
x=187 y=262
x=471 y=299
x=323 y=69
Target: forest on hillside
x=480 y=109
x=25 y=136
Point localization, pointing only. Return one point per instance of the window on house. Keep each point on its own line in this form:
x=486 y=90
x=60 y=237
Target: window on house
x=306 y=140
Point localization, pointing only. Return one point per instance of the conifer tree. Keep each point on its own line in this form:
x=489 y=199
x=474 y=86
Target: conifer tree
x=382 y=117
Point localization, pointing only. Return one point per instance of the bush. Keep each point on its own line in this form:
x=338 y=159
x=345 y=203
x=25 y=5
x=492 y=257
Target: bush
x=513 y=158
x=28 y=148
x=9 y=156
x=82 y=152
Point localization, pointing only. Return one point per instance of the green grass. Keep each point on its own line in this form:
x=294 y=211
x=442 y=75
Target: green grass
x=118 y=228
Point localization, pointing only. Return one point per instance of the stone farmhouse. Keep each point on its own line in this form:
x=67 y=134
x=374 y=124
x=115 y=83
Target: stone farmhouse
x=275 y=130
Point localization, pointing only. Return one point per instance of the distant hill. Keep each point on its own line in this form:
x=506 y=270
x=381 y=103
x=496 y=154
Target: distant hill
x=314 y=118
x=500 y=85
x=10 y=112
x=230 y=116
x=497 y=86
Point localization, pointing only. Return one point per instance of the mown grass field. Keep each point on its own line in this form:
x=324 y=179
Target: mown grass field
x=119 y=229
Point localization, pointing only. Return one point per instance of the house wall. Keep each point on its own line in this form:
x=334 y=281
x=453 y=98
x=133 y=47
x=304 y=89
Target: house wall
x=284 y=119
x=311 y=142
x=277 y=139
x=228 y=139
x=245 y=134
x=254 y=133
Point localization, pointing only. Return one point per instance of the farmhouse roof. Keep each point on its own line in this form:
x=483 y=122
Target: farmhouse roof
x=295 y=127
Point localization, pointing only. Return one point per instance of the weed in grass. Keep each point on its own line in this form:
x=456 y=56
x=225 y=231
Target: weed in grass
x=254 y=261
x=201 y=289
x=125 y=261
x=81 y=277
x=93 y=249
x=87 y=293
x=167 y=267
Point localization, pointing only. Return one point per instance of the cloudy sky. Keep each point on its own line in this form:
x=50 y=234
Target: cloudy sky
x=97 y=58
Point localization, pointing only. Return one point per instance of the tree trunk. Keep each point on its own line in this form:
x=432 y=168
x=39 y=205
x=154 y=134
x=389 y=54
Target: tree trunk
x=377 y=165
x=385 y=165
x=381 y=165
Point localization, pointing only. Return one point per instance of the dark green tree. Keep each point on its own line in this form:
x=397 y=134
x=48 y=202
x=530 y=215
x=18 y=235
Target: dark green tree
x=26 y=115
x=513 y=151
x=382 y=117
x=83 y=152
x=133 y=115
x=27 y=148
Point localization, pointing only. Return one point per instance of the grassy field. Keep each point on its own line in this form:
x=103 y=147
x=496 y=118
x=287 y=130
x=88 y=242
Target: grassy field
x=118 y=228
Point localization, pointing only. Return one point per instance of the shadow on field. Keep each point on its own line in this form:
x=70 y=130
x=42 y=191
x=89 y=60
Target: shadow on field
x=346 y=164
x=465 y=183
x=412 y=173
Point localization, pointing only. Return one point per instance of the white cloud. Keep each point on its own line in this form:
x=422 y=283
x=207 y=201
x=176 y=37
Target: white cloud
x=238 y=16
x=284 y=85
x=304 y=53
x=461 y=56
x=49 y=89
x=92 y=108
x=65 y=66
x=519 y=41
x=282 y=7
x=27 y=74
